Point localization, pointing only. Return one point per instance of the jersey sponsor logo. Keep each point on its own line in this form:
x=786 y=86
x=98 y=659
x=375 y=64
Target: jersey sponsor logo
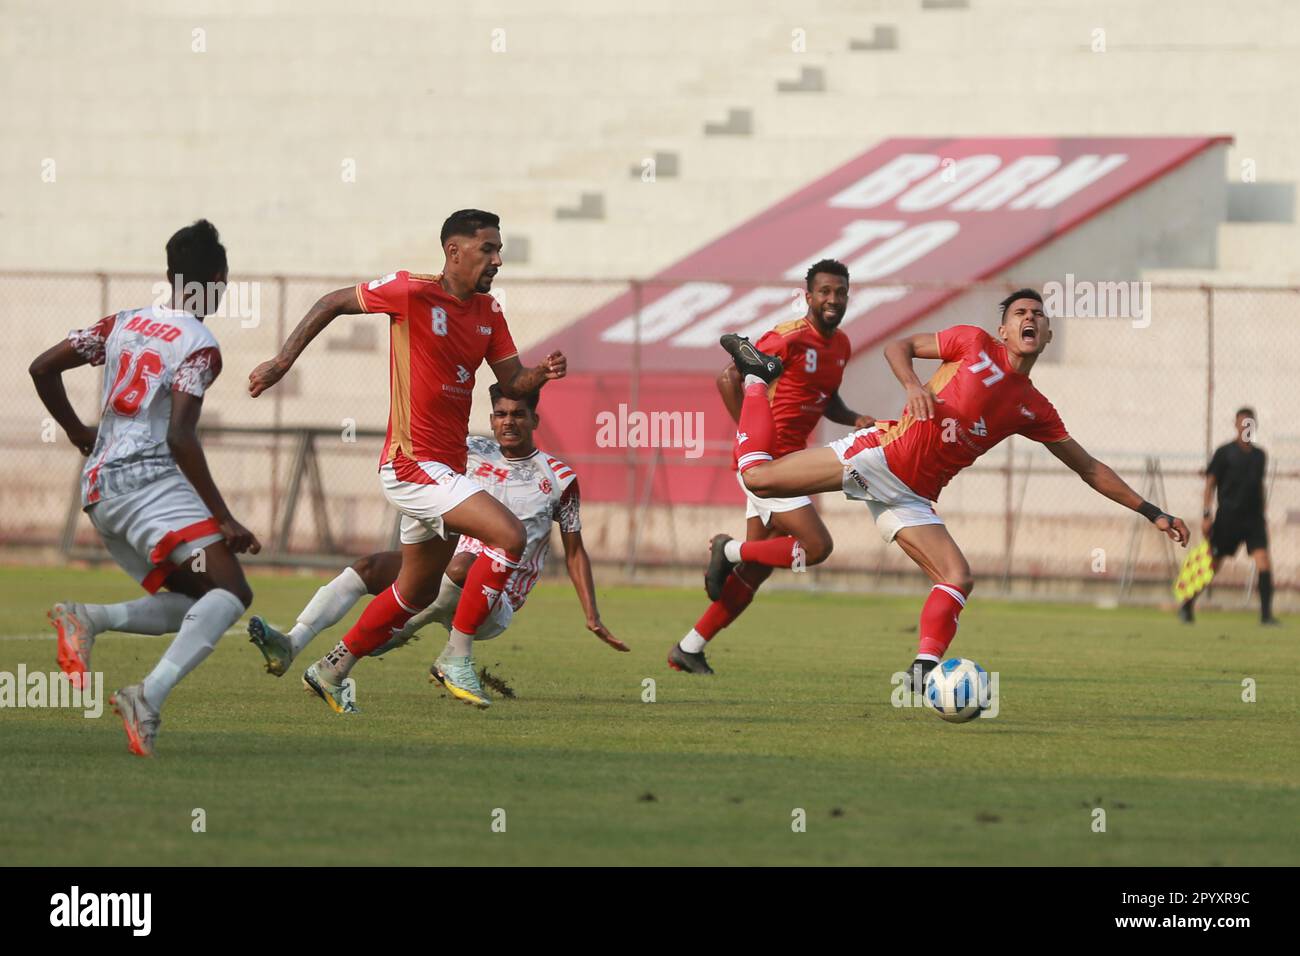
x=440 y=321
x=153 y=330
x=462 y=373
x=376 y=283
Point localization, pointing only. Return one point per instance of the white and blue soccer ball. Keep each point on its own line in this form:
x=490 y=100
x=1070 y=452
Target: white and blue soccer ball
x=957 y=690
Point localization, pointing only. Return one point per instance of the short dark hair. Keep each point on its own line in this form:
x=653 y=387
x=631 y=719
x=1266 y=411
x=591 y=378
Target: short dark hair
x=466 y=222
x=829 y=266
x=196 y=253
x=531 y=399
x=1018 y=294
x=1245 y=410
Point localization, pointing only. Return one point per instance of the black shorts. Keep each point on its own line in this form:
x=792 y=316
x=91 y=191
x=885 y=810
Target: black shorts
x=1228 y=534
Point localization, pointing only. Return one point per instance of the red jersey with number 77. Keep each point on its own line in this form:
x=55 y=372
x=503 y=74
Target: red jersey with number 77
x=436 y=344
x=984 y=401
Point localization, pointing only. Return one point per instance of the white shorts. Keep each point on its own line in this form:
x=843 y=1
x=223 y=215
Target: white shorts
x=423 y=505
x=756 y=507
x=152 y=530
x=867 y=478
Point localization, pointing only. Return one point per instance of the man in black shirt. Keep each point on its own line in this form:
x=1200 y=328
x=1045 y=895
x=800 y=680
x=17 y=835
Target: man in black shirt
x=1237 y=471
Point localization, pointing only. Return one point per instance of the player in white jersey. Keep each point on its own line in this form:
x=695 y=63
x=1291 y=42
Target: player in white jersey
x=538 y=488
x=146 y=485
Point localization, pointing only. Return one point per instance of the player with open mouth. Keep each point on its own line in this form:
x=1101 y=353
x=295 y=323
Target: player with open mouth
x=979 y=395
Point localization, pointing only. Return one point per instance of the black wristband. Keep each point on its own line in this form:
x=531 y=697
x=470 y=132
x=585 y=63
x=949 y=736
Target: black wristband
x=1149 y=511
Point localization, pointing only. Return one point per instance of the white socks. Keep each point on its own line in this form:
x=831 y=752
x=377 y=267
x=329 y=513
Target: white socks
x=731 y=551
x=692 y=643
x=209 y=617
x=160 y=613
x=329 y=605
x=442 y=610
x=754 y=380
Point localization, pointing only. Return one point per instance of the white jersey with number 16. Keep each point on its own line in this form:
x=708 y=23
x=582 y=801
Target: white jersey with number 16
x=147 y=354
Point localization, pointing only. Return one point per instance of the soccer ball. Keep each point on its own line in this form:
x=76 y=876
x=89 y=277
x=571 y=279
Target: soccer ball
x=957 y=690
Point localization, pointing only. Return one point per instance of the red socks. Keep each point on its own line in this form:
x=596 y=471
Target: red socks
x=736 y=595
x=384 y=615
x=939 y=620
x=774 y=552
x=754 y=436
x=487 y=576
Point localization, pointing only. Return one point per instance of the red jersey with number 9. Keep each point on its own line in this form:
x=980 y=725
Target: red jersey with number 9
x=814 y=368
x=984 y=401
x=436 y=344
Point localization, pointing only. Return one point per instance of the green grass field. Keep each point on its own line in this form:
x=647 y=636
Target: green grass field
x=1124 y=710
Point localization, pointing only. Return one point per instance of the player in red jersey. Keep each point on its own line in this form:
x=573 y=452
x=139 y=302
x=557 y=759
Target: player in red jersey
x=980 y=395
x=441 y=328
x=779 y=532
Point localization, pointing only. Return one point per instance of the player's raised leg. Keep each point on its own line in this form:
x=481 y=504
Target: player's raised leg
x=329 y=605
x=77 y=625
x=935 y=552
x=483 y=517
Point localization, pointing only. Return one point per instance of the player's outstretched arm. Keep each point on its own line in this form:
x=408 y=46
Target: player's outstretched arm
x=899 y=354
x=579 y=565
x=518 y=382
x=183 y=441
x=47 y=374
x=1102 y=478
x=841 y=414
x=732 y=389
x=327 y=308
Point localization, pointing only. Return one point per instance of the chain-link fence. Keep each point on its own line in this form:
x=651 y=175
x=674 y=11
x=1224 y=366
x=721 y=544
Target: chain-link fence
x=1150 y=396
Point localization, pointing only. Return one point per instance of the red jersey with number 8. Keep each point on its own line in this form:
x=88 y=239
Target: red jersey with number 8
x=436 y=344
x=984 y=401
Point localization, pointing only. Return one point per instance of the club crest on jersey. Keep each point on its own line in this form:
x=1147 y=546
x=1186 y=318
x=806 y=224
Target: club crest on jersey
x=545 y=486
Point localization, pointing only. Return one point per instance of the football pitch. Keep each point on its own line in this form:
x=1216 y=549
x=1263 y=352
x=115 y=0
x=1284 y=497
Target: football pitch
x=791 y=754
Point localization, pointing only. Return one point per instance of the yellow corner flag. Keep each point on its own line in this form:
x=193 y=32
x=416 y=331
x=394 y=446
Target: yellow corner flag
x=1195 y=574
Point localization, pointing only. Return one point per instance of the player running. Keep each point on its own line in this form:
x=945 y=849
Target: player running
x=146 y=485
x=779 y=532
x=441 y=328
x=539 y=489
x=979 y=395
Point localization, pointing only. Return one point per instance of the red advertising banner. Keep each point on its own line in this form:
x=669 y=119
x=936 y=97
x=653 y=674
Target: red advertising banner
x=910 y=210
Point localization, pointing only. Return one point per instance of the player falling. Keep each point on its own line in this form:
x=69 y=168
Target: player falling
x=146 y=485
x=779 y=532
x=979 y=395
x=541 y=490
x=441 y=328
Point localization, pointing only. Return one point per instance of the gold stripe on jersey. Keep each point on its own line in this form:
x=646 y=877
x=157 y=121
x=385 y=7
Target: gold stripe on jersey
x=400 y=391
x=424 y=276
x=360 y=299
x=938 y=380
x=785 y=328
